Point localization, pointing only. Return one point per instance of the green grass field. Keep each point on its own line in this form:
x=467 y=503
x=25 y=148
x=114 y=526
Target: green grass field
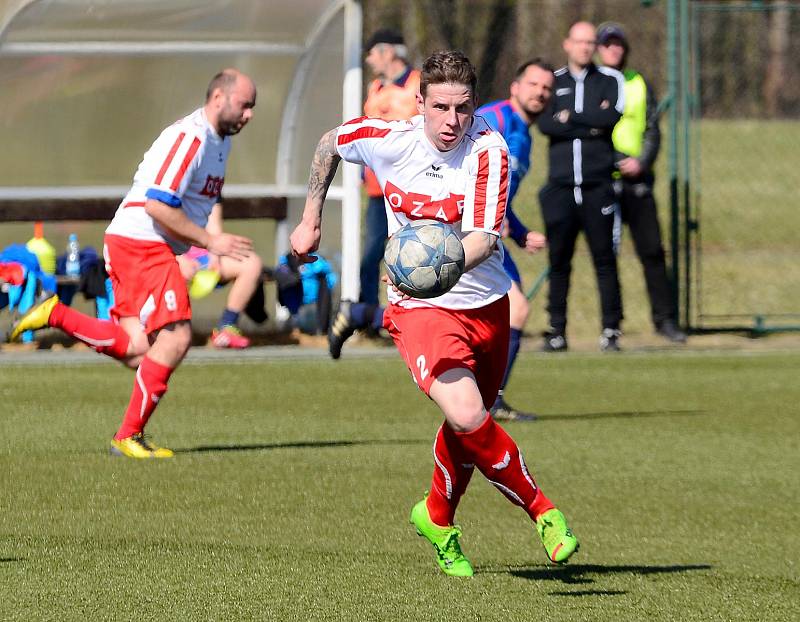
x=289 y=496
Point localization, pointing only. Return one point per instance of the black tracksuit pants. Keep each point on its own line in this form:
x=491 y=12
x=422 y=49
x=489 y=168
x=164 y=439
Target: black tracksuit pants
x=566 y=211
x=639 y=211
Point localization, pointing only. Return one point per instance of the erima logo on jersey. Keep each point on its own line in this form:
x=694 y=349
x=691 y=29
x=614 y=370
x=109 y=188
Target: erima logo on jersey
x=607 y=210
x=563 y=91
x=434 y=172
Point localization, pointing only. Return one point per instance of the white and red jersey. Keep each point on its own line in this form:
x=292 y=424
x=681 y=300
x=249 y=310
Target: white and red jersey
x=466 y=187
x=184 y=168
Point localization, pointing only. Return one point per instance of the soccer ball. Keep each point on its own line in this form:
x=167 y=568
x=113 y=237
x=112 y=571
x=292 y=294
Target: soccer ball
x=424 y=258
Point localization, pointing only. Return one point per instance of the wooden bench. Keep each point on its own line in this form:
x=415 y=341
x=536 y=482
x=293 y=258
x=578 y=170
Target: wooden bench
x=103 y=209
x=47 y=210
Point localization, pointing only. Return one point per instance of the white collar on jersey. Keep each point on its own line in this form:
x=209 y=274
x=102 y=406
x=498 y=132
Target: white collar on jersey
x=211 y=129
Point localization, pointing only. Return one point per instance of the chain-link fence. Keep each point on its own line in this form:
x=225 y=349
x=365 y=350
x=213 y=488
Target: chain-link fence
x=743 y=259
x=498 y=35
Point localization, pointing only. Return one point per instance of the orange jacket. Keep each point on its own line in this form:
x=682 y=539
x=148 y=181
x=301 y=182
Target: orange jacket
x=391 y=102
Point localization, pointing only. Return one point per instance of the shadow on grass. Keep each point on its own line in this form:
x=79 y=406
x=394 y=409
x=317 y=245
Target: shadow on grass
x=298 y=445
x=591 y=593
x=6 y=560
x=623 y=414
x=578 y=574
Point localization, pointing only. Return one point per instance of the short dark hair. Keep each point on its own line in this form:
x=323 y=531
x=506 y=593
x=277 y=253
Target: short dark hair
x=224 y=80
x=534 y=62
x=447 y=67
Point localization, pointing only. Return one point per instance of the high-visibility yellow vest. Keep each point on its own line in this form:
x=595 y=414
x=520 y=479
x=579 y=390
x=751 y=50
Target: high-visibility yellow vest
x=628 y=134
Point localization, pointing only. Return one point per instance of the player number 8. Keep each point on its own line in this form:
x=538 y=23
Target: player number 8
x=171 y=300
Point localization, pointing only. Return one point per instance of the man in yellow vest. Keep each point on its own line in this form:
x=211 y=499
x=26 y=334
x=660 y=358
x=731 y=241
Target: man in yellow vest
x=636 y=140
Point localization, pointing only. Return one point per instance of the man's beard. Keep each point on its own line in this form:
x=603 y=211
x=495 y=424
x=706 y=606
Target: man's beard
x=228 y=128
x=533 y=113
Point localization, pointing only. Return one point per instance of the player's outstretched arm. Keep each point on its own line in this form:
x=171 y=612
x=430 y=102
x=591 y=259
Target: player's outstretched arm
x=305 y=238
x=179 y=226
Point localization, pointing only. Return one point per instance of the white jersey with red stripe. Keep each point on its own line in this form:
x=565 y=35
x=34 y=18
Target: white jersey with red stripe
x=466 y=187
x=184 y=168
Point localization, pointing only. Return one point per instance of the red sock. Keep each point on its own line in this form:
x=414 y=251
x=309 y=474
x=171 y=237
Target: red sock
x=148 y=388
x=450 y=476
x=101 y=335
x=497 y=456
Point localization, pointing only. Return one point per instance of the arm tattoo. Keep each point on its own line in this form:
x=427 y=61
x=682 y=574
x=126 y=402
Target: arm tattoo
x=323 y=167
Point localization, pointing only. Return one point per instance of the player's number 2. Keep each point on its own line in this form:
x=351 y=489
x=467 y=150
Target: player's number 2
x=423 y=371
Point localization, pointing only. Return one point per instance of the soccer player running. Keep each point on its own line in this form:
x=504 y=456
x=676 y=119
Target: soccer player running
x=531 y=91
x=174 y=190
x=450 y=165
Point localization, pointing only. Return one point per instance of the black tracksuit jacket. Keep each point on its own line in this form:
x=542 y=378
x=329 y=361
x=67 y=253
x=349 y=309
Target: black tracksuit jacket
x=581 y=151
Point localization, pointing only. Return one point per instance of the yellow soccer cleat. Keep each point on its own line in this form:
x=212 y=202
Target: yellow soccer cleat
x=137 y=446
x=37 y=317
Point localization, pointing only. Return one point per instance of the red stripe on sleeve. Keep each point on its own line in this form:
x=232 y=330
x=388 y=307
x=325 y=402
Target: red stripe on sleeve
x=480 y=190
x=502 y=194
x=354 y=121
x=362 y=132
x=170 y=155
x=185 y=164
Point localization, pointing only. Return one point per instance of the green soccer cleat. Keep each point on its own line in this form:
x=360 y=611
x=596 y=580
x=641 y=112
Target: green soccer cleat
x=557 y=538
x=37 y=317
x=444 y=540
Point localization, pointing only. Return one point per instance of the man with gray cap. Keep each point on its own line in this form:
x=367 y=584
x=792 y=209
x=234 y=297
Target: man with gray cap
x=391 y=96
x=636 y=141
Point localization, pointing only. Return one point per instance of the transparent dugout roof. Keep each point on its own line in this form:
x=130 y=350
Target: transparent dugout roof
x=160 y=20
x=87 y=85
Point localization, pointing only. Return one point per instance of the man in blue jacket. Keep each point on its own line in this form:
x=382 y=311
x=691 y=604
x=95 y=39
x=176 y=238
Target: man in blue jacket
x=530 y=93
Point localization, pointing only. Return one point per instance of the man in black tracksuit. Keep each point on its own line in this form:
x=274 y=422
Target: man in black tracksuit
x=579 y=195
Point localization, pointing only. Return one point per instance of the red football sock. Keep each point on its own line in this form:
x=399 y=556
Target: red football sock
x=450 y=476
x=497 y=456
x=101 y=335
x=148 y=388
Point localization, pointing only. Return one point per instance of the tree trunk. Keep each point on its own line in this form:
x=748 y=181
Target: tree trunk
x=775 y=80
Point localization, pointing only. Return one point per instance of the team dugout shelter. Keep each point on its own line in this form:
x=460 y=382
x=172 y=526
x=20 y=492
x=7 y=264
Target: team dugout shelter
x=87 y=85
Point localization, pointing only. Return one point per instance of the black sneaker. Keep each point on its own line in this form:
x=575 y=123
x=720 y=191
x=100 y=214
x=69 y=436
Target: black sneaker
x=503 y=412
x=554 y=342
x=670 y=330
x=609 y=340
x=342 y=328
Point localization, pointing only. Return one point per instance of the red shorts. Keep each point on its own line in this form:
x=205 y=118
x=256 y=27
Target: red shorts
x=432 y=340
x=147 y=282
